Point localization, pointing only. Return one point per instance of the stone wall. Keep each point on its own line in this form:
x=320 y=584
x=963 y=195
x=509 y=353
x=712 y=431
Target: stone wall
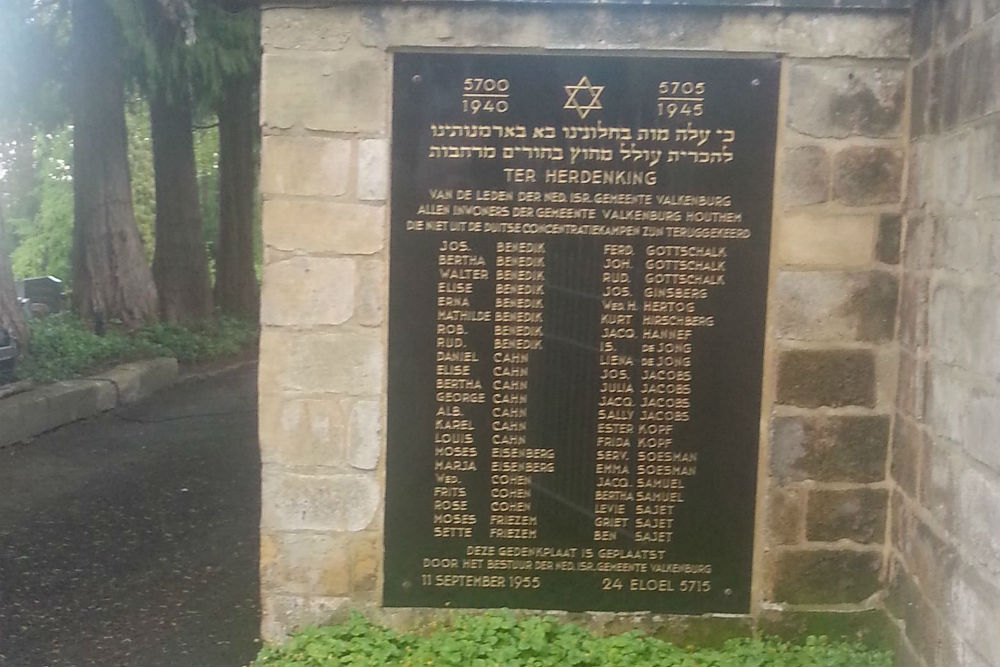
x=945 y=571
x=830 y=361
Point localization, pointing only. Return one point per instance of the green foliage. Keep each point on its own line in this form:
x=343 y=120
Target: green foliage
x=44 y=242
x=499 y=639
x=61 y=347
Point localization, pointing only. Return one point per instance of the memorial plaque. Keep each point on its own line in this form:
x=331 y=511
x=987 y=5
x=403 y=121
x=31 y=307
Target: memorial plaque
x=578 y=277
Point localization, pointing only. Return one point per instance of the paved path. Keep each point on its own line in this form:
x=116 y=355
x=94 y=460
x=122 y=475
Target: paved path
x=130 y=539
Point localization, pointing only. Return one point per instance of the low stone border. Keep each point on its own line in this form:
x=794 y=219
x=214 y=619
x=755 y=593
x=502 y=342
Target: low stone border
x=28 y=414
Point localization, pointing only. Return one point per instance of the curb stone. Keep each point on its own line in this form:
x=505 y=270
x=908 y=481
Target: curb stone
x=26 y=415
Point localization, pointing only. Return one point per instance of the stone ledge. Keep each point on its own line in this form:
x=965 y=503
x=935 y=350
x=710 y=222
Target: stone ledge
x=34 y=412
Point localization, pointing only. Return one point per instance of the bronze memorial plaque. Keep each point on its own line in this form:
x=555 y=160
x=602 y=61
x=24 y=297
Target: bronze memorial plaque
x=578 y=275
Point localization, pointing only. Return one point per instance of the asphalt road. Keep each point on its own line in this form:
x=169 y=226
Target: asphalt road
x=130 y=539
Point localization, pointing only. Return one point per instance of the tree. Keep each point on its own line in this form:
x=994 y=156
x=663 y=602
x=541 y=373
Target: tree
x=11 y=316
x=236 y=290
x=111 y=279
x=180 y=261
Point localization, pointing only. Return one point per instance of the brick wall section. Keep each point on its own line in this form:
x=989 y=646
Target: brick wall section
x=832 y=322
x=830 y=364
x=945 y=507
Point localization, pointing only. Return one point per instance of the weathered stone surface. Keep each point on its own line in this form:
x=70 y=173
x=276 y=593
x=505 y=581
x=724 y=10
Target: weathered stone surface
x=913 y=300
x=845 y=101
x=304 y=564
x=908 y=450
x=822 y=576
x=365 y=563
x=932 y=561
x=870 y=627
x=810 y=241
x=302 y=431
x=805 y=176
x=832 y=377
x=799 y=34
x=851 y=514
x=309 y=291
x=829 y=449
x=372 y=293
x=334 y=92
x=889 y=231
x=333 y=502
x=976 y=604
x=984 y=160
x=304 y=166
x=373 y=169
x=921 y=100
x=365 y=434
x=282 y=615
x=923 y=28
x=785 y=515
x=939 y=481
x=306 y=30
x=978 y=516
x=348 y=362
x=835 y=306
x=865 y=175
x=323 y=227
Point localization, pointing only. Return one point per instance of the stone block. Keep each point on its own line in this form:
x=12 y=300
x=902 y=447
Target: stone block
x=840 y=102
x=305 y=564
x=922 y=97
x=932 y=561
x=939 y=482
x=984 y=159
x=140 y=379
x=347 y=362
x=282 y=615
x=909 y=447
x=975 y=602
x=373 y=169
x=701 y=631
x=810 y=241
x=912 y=315
x=826 y=576
x=829 y=448
x=951 y=171
x=918 y=247
x=305 y=29
x=826 y=377
x=372 y=293
x=951 y=21
x=343 y=91
x=332 y=502
x=923 y=28
x=910 y=393
x=785 y=515
x=978 y=88
x=977 y=516
x=835 y=306
x=867 y=175
x=948 y=85
x=805 y=176
x=365 y=434
x=870 y=627
x=298 y=431
x=318 y=227
x=316 y=166
x=887 y=246
x=308 y=291
x=365 y=564
x=849 y=514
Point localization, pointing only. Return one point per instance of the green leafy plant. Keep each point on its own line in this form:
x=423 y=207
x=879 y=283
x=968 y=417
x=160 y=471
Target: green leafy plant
x=61 y=347
x=500 y=639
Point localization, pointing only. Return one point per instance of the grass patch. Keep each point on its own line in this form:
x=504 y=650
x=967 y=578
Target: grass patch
x=61 y=347
x=499 y=639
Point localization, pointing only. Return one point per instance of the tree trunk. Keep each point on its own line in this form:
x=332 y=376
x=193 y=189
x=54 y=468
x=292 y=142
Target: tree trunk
x=111 y=279
x=235 y=282
x=11 y=316
x=180 y=262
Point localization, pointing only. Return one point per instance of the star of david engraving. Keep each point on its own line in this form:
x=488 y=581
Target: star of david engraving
x=586 y=88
